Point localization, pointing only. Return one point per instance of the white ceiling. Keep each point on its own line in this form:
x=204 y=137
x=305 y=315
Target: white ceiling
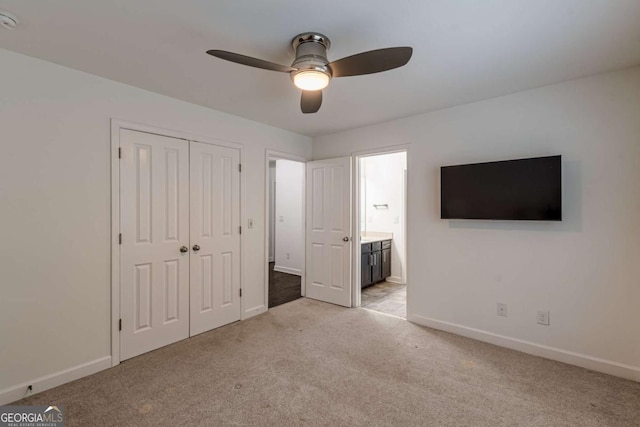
x=464 y=51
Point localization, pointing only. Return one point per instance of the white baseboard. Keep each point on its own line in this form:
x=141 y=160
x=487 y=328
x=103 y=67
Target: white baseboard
x=11 y=394
x=254 y=311
x=394 y=279
x=589 y=362
x=272 y=259
x=288 y=270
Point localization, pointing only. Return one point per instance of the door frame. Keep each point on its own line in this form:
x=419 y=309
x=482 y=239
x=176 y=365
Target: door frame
x=116 y=126
x=280 y=155
x=356 y=156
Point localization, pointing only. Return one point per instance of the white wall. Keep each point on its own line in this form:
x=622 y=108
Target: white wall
x=55 y=208
x=289 y=216
x=585 y=269
x=384 y=184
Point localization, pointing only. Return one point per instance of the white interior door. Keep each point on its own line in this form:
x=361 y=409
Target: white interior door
x=215 y=236
x=154 y=275
x=329 y=231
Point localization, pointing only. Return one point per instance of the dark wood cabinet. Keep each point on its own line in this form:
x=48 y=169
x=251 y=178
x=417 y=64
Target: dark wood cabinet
x=386 y=263
x=376 y=268
x=365 y=270
x=375 y=262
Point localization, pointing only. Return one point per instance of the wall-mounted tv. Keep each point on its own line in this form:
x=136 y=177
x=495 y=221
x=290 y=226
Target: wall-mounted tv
x=523 y=189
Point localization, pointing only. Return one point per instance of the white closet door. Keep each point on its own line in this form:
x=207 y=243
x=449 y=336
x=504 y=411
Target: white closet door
x=329 y=231
x=215 y=236
x=154 y=273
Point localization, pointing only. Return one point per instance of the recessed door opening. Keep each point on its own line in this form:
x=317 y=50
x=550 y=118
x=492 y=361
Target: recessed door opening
x=381 y=228
x=285 y=230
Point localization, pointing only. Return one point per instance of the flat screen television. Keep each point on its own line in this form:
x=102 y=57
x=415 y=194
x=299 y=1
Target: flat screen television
x=523 y=189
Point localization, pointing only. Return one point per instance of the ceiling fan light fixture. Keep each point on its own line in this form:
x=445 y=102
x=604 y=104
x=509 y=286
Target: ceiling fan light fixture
x=311 y=71
x=311 y=80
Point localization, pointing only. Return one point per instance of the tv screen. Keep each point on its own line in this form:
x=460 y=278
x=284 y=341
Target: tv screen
x=524 y=189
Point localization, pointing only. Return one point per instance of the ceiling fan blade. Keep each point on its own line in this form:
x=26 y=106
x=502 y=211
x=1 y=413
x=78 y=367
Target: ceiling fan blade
x=311 y=101
x=251 y=62
x=373 y=61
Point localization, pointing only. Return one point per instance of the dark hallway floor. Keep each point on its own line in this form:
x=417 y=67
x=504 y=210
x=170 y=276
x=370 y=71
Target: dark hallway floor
x=283 y=287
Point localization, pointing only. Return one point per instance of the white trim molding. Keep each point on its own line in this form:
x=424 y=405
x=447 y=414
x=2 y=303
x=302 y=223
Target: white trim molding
x=577 y=359
x=356 y=291
x=13 y=393
x=288 y=270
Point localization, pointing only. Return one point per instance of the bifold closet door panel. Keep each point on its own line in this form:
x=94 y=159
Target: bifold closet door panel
x=215 y=236
x=154 y=274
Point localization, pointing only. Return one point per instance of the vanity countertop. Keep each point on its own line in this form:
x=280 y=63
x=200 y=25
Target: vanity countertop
x=375 y=237
x=372 y=239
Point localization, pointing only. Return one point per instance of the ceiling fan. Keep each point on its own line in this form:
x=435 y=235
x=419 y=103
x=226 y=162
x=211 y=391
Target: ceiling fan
x=311 y=71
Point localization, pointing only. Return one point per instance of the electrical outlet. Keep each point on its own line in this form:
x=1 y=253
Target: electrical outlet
x=502 y=309
x=543 y=318
x=288 y=255
x=281 y=218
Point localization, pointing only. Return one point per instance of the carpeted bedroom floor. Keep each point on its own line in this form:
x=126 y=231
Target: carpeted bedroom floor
x=311 y=363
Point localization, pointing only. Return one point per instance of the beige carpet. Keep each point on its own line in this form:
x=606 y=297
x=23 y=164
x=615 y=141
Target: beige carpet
x=310 y=363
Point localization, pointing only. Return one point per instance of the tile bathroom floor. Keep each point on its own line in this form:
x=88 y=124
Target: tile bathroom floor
x=386 y=297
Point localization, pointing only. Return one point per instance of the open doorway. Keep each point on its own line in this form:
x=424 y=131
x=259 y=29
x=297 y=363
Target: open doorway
x=285 y=230
x=382 y=232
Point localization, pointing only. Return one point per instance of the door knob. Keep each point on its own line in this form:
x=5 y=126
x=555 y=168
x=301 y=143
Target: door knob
x=345 y=239
x=196 y=248
x=184 y=249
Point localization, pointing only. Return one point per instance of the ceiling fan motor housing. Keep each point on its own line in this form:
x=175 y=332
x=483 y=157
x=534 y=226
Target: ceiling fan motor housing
x=311 y=53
